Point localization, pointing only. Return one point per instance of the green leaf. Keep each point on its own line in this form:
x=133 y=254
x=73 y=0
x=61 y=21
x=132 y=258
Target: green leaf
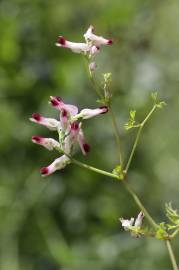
x=154 y=96
x=172 y=214
x=117 y=170
x=131 y=122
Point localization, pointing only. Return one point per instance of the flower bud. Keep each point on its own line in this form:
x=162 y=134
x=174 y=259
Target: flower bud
x=85 y=148
x=138 y=221
x=92 y=66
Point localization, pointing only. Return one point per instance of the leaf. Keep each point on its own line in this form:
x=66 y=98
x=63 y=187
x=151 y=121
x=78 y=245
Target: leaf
x=172 y=214
x=117 y=170
x=131 y=122
x=154 y=96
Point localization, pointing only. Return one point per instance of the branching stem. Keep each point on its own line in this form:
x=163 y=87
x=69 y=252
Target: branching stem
x=138 y=137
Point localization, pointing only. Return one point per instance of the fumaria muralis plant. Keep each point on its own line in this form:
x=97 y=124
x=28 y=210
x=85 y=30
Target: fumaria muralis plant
x=70 y=132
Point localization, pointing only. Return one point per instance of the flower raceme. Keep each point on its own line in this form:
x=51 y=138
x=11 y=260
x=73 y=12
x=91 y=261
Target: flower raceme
x=90 y=48
x=69 y=128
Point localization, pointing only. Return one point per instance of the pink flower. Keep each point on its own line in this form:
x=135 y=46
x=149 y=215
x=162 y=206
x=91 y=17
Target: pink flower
x=88 y=113
x=94 y=50
x=57 y=103
x=69 y=132
x=74 y=46
x=96 y=40
x=50 y=123
x=92 y=66
x=48 y=143
x=85 y=148
x=57 y=164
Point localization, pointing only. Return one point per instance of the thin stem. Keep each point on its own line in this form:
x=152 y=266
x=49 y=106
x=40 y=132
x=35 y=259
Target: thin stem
x=88 y=167
x=92 y=80
x=116 y=131
x=133 y=149
x=94 y=169
x=137 y=138
x=140 y=205
x=171 y=254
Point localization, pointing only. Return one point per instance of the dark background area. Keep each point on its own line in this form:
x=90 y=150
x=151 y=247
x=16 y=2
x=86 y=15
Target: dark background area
x=70 y=219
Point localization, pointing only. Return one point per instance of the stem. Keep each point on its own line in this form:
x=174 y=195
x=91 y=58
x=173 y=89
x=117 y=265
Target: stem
x=91 y=78
x=140 y=205
x=171 y=254
x=91 y=168
x=137 y=138
x=116 y=131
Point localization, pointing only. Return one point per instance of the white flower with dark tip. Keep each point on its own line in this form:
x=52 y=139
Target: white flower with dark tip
x=69 y=132
x=73 y=46
x=96 y=40
x=90 y=48
x=50 y=123
x=57 y=164
x=129 y=224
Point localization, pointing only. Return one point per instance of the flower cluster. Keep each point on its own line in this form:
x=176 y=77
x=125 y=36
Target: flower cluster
x=90 y=48
x=131 y=225
x=69 y=128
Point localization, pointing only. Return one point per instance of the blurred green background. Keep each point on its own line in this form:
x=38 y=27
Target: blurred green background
x=70 y=219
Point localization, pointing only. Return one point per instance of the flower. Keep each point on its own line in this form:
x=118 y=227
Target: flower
x=57 y=164
x=96 y=40
x=48 y=143
x=131 y=225
x=74 y=46
x=69 y=130
x=50 y=123
x=127 y=223
x=90 y=48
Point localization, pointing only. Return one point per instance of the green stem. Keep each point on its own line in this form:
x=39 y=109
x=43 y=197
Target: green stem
x=137 y=138
x=171 y=254
x=92 y=80
x=140 y=205
x=116 y=131
x=94 y=169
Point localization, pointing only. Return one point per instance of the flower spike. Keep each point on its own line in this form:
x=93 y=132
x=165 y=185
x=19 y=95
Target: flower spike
x=69 y=132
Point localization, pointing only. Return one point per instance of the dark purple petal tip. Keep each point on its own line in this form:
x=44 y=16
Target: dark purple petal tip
x=44 y=171
x=104 y=108
x=86 y=147
x=61 y=40
x=37 y=116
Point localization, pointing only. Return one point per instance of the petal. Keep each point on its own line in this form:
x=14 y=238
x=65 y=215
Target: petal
x=138 y=221
x=85 y=148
